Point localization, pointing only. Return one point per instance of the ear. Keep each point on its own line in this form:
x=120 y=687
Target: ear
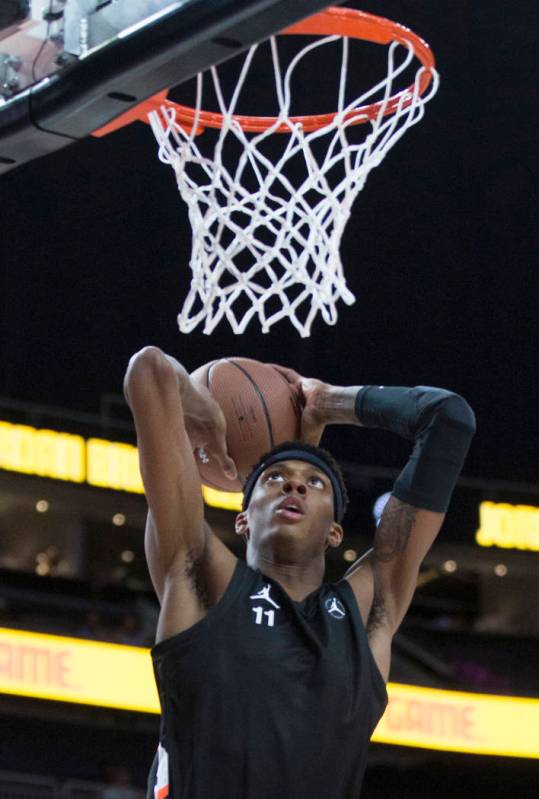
x=335 y=535
x=240 y=525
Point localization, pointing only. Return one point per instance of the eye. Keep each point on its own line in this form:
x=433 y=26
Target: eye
x=275 y=476
x=316 y=481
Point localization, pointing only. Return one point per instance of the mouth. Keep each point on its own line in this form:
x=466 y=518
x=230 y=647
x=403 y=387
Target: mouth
x=290 y=509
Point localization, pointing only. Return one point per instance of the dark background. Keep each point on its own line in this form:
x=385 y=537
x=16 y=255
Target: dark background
x=439 y=252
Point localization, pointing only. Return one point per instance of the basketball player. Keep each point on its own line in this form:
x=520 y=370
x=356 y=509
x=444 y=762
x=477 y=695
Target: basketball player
x=271 y=682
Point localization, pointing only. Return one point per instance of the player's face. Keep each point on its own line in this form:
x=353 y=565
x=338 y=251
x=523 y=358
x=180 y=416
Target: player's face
x=294 y=499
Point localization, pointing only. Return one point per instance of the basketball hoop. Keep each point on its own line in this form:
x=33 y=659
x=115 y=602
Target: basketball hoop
x=271 y=250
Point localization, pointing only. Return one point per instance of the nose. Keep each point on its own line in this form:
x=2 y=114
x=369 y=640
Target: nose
x=294 y=484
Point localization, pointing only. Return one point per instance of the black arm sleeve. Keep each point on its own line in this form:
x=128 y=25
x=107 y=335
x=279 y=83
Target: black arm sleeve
x=440 y=423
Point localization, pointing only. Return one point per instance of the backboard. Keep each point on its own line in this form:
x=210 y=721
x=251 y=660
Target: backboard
x=68 y=67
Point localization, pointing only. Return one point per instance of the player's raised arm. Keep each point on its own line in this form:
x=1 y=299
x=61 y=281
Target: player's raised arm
x=441 y=424
x=172 y=417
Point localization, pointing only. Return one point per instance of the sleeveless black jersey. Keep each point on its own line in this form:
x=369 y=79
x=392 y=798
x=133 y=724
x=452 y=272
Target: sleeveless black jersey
x=267 y=698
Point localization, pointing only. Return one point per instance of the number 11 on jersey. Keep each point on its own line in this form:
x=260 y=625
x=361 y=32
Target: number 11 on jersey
x=260 y=613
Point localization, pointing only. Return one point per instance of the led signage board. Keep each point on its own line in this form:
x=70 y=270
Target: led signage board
x=508 y=526
x=46 y=453
x=228 y=500
x=76 y=670
x=121 y=677
x=96 y=461
x=460 y=722
x=113 y=465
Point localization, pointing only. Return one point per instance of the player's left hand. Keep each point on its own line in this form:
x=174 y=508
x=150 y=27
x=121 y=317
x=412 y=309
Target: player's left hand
x=310 y=392
x=205 y=425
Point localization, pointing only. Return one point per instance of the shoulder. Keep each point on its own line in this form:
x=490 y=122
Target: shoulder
x=195 y=583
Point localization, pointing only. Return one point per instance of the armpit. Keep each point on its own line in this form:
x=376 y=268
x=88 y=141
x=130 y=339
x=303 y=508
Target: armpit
x=377 y=616
x=195 y=574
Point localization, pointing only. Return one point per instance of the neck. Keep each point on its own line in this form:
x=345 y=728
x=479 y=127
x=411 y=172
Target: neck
x=297 y=579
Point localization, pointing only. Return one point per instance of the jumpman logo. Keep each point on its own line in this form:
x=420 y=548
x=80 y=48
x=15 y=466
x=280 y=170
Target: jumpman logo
x=335 y=608
x=264 y=593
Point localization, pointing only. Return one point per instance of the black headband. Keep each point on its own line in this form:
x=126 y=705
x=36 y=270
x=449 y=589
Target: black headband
x=297 y=455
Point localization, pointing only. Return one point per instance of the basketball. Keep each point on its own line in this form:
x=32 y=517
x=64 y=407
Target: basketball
x=261 y=409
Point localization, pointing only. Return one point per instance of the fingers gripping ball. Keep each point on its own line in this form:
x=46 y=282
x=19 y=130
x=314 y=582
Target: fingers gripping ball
x=261 y=409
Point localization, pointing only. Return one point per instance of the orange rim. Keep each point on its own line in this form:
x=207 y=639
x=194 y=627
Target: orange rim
x=331 y=22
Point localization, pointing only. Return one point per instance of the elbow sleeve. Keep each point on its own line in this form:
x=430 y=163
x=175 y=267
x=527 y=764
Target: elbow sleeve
x=440 y=423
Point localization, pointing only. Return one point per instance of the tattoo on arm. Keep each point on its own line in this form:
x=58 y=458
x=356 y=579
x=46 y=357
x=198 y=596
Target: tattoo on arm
x=394 y=530
x=390 y=541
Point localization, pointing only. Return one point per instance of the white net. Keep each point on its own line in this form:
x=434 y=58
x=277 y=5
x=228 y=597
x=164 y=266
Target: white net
x=266 y=242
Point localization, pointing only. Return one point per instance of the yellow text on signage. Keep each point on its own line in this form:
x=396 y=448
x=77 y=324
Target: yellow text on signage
x=508 y=526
